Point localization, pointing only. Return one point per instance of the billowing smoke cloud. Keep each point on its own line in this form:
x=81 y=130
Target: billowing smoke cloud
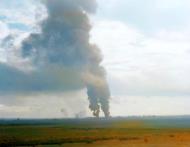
x=62 y=50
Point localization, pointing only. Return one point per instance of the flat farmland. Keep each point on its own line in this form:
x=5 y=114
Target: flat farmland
x=120 y=132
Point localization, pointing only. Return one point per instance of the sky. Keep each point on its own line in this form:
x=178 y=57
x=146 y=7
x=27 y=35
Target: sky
x=146 y=50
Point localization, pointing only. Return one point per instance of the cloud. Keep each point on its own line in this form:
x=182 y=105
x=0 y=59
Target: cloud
x=20 y=11
x=147 y=15
x=4 y=30
x=154 y=105
x=143 y=65
x=44 y=105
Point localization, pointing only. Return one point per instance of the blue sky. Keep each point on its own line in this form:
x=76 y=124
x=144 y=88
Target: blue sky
x=146 y=52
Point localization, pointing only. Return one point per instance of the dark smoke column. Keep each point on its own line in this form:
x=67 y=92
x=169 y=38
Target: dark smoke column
x=64 y=43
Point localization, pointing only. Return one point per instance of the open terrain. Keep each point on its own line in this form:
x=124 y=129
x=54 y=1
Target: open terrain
x=120 y=132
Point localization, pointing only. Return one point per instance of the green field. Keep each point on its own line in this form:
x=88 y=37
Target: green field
x=95 y=132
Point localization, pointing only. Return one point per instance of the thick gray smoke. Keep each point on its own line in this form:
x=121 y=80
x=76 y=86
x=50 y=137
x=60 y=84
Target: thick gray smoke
x=63 y=43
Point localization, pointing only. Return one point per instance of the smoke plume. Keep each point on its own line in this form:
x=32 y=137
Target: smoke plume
x=62 y=46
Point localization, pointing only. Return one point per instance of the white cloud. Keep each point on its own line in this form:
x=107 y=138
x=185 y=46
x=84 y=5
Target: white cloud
x=21 y=11
x=141 y=65
x=115 y=38
x=4 y=30
x=147 y=15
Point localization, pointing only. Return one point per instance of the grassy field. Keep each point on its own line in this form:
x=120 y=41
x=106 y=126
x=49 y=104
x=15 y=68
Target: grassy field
x=96 y=133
